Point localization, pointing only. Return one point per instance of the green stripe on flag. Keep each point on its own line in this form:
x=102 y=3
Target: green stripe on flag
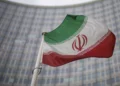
x=69 y=27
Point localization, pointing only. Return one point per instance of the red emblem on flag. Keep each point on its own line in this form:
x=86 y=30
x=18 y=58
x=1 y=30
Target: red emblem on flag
x=79 y=42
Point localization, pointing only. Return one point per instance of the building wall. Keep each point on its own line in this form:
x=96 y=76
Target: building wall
x=20 y=35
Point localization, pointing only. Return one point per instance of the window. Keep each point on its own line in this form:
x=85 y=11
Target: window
x=103 y=83
x=112 y=80
x=20 y=80
x=61 y=80
x=26 y=81
x=41 y=81
x=15 y=80
x=48 y=81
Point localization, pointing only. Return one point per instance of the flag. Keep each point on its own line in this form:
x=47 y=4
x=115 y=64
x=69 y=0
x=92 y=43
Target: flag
x=77 y=37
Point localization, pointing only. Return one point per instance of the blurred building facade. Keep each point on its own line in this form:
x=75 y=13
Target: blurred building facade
x=20 y=35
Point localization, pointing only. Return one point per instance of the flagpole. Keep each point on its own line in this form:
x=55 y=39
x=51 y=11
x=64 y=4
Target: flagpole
x=38 y=65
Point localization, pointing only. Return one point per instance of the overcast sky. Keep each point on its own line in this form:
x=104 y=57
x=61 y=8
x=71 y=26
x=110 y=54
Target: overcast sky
x=51 y=2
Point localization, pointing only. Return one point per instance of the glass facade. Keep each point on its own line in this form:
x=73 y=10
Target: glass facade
x=20 y=36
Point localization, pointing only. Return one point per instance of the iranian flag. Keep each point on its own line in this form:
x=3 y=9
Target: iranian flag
x=77 y=37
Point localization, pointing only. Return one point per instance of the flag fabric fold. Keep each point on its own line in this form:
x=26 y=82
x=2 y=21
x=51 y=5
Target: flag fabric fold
x=77 y=37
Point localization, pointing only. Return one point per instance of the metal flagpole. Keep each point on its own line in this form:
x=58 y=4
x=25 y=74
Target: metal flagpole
x=38 y=65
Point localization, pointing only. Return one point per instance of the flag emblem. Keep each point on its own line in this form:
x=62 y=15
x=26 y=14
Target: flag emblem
x=79 y=42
